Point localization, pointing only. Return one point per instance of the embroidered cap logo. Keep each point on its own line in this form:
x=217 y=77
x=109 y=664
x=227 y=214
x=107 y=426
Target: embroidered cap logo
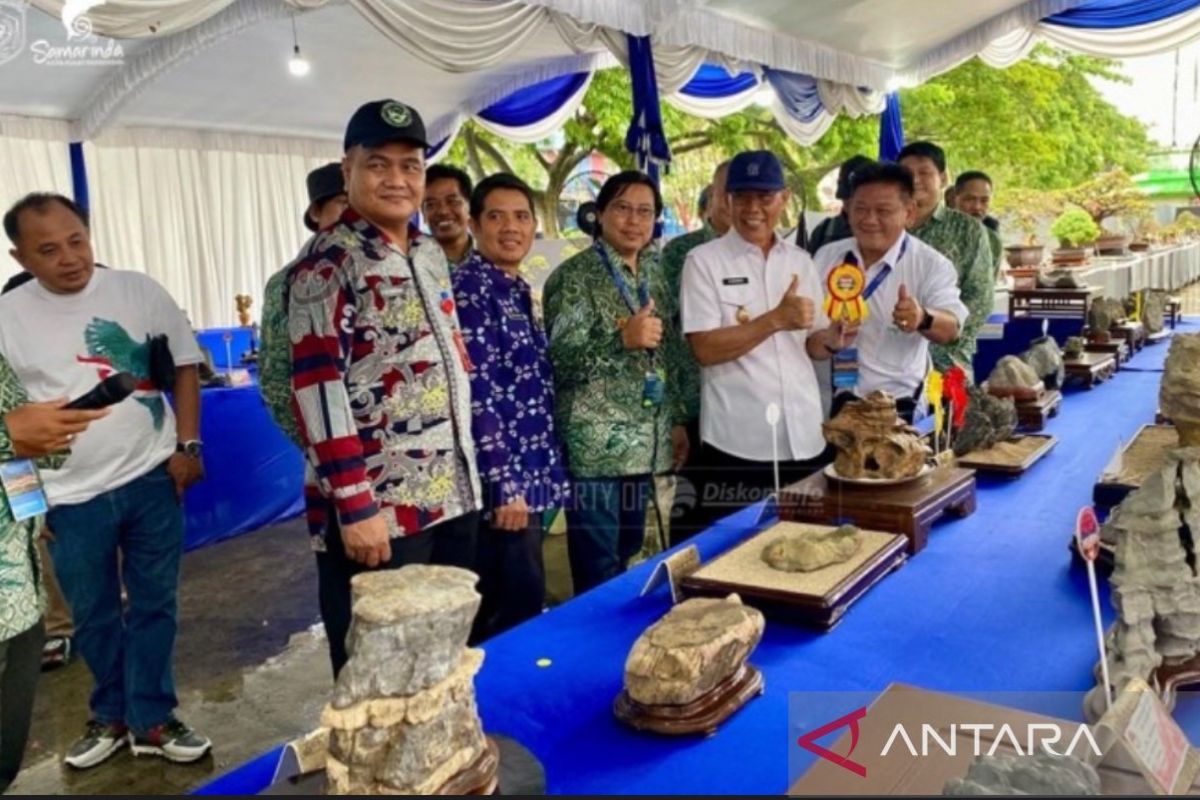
x=752 y=170
x=396 y=114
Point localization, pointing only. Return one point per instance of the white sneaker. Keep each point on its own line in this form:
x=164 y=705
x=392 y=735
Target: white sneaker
x=99 y=742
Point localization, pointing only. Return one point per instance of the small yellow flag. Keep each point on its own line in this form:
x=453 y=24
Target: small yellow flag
x=933 y=392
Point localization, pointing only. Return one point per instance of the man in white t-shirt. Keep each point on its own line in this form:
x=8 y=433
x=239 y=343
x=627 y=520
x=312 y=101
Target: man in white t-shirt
x=121 y=487
x=751 y=315
x=911 y=290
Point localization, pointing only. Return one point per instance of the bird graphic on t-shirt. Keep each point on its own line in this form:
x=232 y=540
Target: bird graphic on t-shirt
x=108 y=343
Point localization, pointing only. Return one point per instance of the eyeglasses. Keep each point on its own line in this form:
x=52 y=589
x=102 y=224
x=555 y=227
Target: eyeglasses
x=623 y=209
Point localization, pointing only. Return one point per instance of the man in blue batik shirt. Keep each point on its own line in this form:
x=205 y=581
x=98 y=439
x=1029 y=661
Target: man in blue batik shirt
x=512 y=404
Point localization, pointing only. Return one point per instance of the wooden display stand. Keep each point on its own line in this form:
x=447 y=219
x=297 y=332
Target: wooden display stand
x=818 y=598
x=481 y=777
x=1090 y=368
x=1117 y=348
x=1049 y=303
x=701 y=716
x=910 y=509
x=987 y=461
x=1143 y=454
x=1032 y=414
x=1134 y=334
x=1172 y=312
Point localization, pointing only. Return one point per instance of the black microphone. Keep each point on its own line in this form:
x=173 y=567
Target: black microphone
x=107 y=392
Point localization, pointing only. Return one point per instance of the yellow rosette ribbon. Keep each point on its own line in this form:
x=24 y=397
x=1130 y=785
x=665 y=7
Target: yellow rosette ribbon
x=844 y=302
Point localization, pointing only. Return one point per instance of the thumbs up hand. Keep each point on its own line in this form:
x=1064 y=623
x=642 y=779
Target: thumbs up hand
x=794 y=312
x=907 y=314
x=642 y=331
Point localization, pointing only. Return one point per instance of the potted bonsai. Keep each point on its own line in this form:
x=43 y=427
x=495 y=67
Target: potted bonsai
x=1076 y=232
x=1026 y=208
x=1110 y=196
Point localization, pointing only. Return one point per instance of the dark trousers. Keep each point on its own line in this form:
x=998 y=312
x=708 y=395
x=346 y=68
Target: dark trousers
x=512 y=576
x=720 y=484
x=20 y=664
x=606 y=524
x=129 y=652
x=450 y=543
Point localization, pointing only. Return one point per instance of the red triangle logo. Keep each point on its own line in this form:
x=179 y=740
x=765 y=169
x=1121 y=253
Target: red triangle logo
x=809 y=741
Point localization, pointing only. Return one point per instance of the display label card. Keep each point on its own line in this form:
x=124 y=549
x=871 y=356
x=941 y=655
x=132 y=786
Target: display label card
x=673 y=569
x=23 y=488
x=1156 y=743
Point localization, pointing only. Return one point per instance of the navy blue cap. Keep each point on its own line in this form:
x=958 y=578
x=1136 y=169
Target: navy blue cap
x=755 y=171
x=323 y=183
x=382 y=122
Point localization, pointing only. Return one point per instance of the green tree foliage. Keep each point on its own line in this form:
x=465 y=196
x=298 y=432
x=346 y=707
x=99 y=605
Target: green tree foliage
x=1038 y=125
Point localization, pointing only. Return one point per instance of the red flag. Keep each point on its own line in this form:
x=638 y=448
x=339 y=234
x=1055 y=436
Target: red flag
x=954 y=389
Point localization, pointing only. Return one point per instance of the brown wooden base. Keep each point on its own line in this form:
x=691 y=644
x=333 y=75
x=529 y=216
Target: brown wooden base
x=700 y=716
x=1170 y=677
x=910 y=509
x=1032 y=415
x=1090 y=368
x=819 y=610
x=1012 y=469
x=1114 y=347
x=480 y=777
x=1172 y=312
x=1134 y=334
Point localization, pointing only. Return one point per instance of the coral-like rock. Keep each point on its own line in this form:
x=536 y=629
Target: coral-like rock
x=1012 y=377
x=872 y=442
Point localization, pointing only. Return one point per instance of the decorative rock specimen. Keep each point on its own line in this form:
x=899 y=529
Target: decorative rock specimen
x=403 y=717
x=694 y=648
x=1046 y=360
x=806 y=552
x=1059 y=279
x=1179 y=393
x=988 y=420
x=1155 y=590
x=1074 y=347
x=1038 y=774
x=1154 y=307
x=1012 y=377
x=872 y=442
x=1104 y=313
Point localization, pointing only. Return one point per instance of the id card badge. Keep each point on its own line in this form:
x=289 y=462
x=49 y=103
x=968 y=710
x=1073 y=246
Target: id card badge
x=845 y=369
x=23 y=488
x=654 y=389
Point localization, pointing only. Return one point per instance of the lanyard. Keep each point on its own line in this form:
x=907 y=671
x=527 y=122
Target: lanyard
x=623 y=287
x=883 y=273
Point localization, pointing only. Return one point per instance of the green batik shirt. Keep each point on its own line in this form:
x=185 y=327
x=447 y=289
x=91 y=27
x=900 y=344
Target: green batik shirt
x=673 y=258
x=598 y=384
x=22 y=595
x=275 y=357
x=997 y=251
x=961 y=238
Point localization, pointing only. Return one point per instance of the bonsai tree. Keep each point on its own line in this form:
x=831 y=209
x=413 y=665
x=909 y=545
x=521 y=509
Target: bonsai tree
x=1075 y=228
x=1109 y=194
x=1025 y=209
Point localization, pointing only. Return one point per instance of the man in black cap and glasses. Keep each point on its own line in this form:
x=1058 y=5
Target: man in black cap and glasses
x=326 y=202
x=380 y=387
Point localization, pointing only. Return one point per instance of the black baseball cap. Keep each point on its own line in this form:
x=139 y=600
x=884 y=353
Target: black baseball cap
x=323 y=183
x=382 y=121
x=755 y=171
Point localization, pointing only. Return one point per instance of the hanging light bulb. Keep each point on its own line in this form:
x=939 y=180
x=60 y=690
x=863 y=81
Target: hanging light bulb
x=297 y=65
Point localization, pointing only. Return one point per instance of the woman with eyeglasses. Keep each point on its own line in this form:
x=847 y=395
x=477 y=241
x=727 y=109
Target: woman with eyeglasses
x=616 y=353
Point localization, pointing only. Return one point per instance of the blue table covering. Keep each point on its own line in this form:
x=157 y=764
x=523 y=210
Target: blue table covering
x=254 y=476
x=214 y=340
x=993 y=603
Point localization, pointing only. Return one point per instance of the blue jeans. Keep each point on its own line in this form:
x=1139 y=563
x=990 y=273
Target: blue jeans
x=128 y=652
x=606 y=524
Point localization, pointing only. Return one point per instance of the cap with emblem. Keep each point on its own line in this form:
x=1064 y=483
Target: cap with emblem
x=755 y=171
x=323 y=183
x=383 y=121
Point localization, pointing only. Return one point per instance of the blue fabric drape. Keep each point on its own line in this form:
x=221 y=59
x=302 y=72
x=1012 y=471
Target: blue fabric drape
x=713 y=82
x=797 y=92
x=535 y=103
x=1108 y=14
x=891 y=129
x=646 y=138
x=79 y=181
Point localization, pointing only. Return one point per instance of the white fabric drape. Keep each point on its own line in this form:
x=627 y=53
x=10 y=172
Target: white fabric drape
x=33 y=158
x=135 y=19
x=208 y=216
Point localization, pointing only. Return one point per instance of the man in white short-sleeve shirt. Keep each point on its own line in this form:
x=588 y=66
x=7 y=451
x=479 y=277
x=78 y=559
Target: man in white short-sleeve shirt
x=911 y=290
x=120 y=490
x=750 y=314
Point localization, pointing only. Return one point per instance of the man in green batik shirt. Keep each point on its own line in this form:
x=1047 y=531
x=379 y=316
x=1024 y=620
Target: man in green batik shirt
x=716 y=224
x=958 y=237
x=617 y=355
x=973 y=197
x=27 y=430
x=326 y=202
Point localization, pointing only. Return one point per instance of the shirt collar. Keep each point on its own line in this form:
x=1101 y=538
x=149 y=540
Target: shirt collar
x=617 y=261
x=889 y=258
x=740 y=243
x=478 y=261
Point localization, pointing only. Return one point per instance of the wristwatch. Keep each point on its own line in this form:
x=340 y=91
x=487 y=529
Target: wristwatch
x=192 y=448
x=926 y=322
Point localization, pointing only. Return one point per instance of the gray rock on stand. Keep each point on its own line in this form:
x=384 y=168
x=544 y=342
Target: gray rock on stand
x=806 y=552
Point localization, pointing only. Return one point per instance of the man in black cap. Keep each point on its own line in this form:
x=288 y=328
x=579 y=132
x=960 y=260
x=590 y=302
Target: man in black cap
x=326 y=202
x=836 y=228
x=380 y=387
